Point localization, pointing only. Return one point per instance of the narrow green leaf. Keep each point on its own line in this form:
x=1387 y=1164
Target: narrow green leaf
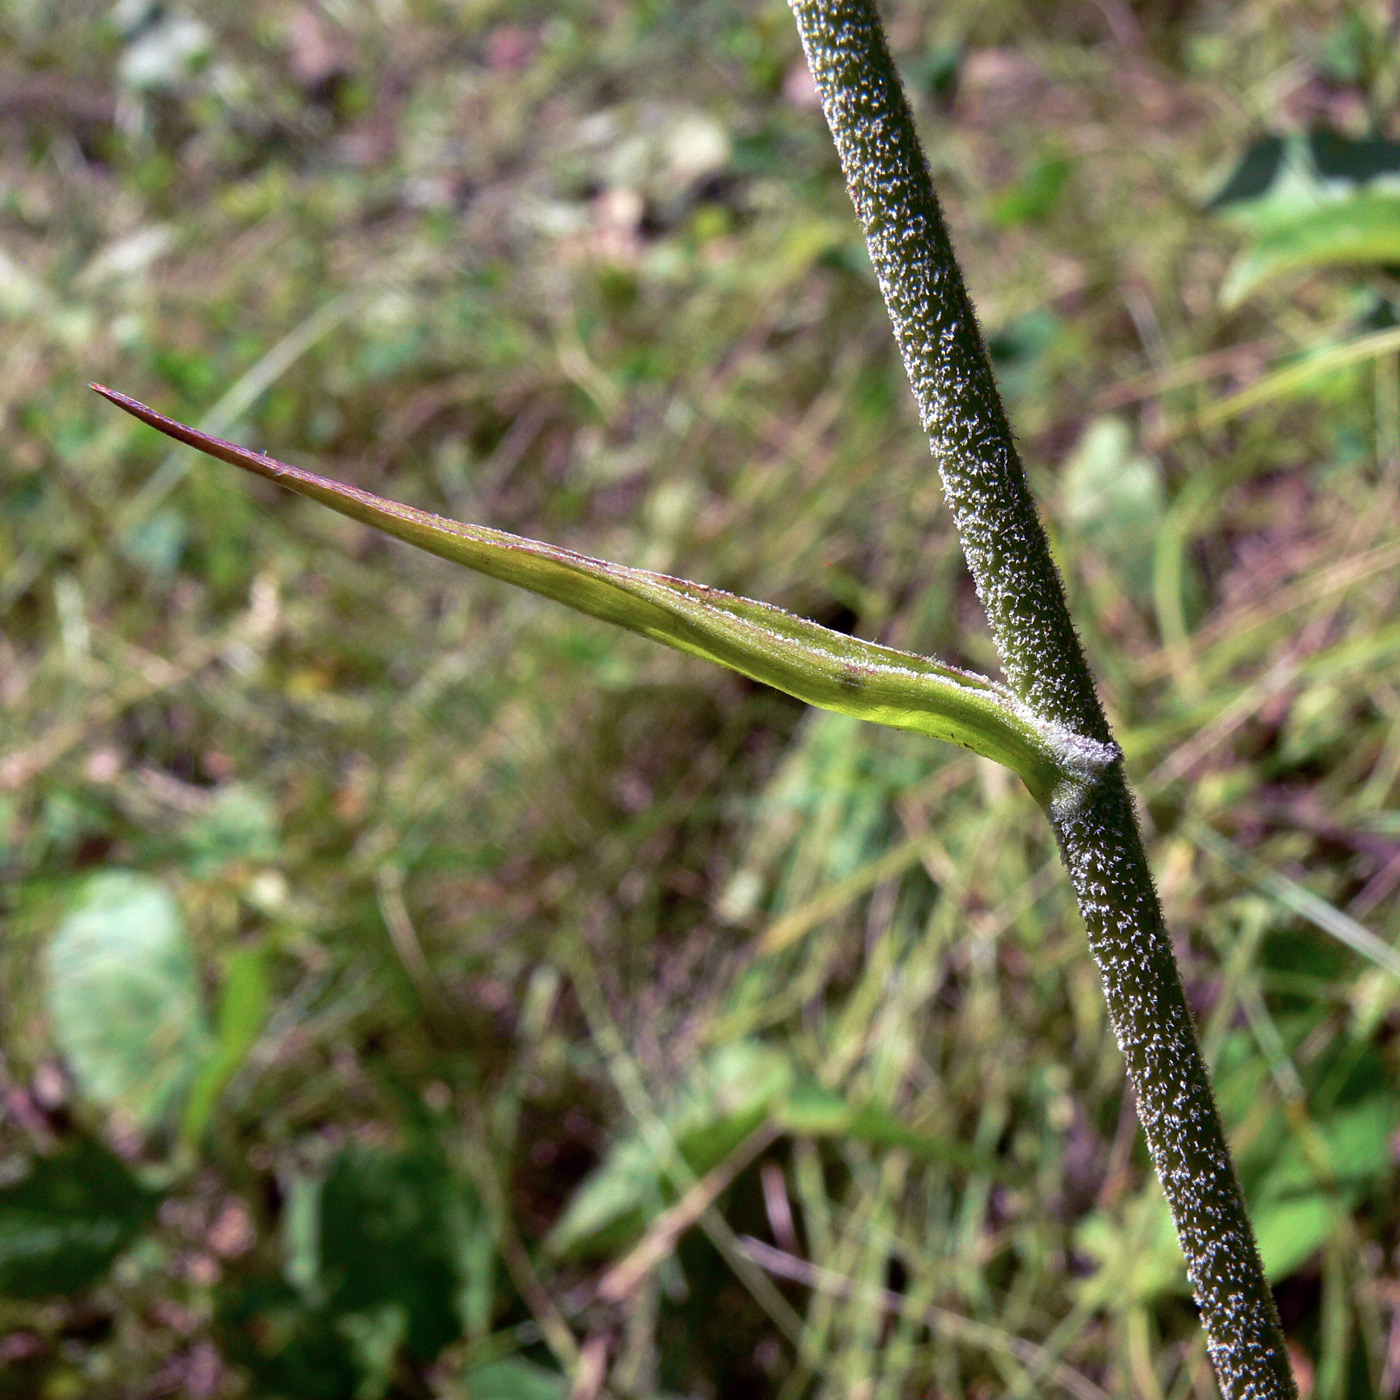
x=1364 y=228
x=242 y=1013
x=812 y=663
x=1298 y=375
x=810 y=1109
x=1295 y=898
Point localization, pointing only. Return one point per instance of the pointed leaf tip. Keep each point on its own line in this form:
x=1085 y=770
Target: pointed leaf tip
x=810 y=662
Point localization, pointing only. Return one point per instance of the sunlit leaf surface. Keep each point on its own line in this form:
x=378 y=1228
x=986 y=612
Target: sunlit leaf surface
x=813 y=663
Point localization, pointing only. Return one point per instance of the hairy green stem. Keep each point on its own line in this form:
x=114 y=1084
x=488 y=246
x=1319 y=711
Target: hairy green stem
x=1020 y=588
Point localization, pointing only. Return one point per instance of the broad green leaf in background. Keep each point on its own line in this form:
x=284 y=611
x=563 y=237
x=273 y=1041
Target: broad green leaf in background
x=1024 y=352
x=1114 y=501
x=394 y=1235
x=1254 y=176
x=726 y=1098
x=292 y=1349
x=65 y=1222
x=1301 y=1200
x=242 y=1011
x=813 y=663
x=744 y=1083
x=124 y=998
x=1135 y=1250
x=1281 y=178
x=392 y=1243
x=1290 y=1229
x=1363 y=229
x=157 y=543
x=1304 y=1195
x=1318 y=199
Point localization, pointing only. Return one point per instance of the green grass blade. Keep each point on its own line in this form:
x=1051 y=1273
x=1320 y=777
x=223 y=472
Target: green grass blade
x=1298 y=374
x=801 y=658
x=1296 y=898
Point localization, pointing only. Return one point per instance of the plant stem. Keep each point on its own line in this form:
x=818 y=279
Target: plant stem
x=1020 y=588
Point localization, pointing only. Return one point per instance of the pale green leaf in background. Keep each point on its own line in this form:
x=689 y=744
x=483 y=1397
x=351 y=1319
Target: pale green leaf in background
x=1114 y=501
x=742 y=1084
x=124 y=999
x=1303 y=1197
x=1307 y=1194
x=239 y=824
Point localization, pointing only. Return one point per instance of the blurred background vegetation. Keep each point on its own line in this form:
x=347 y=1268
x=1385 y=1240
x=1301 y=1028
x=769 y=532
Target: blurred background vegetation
x=410 y=989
